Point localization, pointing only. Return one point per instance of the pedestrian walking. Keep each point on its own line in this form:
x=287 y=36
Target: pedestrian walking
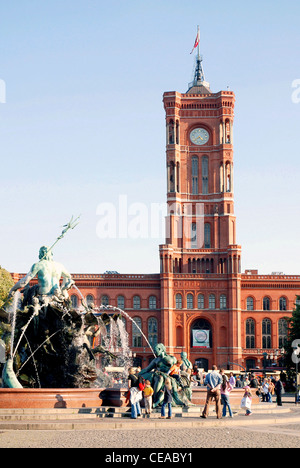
x=238 y=382
x=226 y=388
x=265 y=391
x=278 y=390
x=168 y=397
x=134 y=394
x=148 y=392
x=213 y=382
x=254 y=382
x=232 y=380
x=271 y=388
x=246 y=402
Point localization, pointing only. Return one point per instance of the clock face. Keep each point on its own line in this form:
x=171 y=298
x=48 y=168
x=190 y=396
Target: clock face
x=199 y=136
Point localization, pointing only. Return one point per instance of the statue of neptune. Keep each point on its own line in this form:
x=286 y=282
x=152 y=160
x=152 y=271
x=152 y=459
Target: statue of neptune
x=49 y=274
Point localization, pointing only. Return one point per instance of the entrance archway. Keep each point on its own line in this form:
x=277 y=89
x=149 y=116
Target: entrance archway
x=202 y=363
x=198 y=339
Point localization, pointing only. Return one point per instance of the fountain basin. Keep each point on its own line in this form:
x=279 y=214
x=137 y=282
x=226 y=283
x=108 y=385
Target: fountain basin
x=16 y=398
x=50 y=398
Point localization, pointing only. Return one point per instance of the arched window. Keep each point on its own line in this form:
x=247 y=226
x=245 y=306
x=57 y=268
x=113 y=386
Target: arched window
x=250 y=303
x=223 y=302
x=179 y=336
x=212 y=301
x=195 y=170
x=136 y=332
x=121 y=302
x=200 y=301
x=177 y=132
x=136 y=302
x=250 y=333
x=266 y=303
x=171 y=133
x=194 y=236
x=282 y=303
x=207 y=236
x=190 y=301
x=172 y=181
x=205 y=175
x=105 y=300
x=152 y=331
x=266 y=334
x=152 y=302
x=74 y=301
x=282 y=332
x=90 y=299
x=178 y=301
x=202 y=363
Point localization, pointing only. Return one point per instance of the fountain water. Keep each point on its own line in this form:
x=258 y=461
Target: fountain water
x=125 y=314
x=12 y=315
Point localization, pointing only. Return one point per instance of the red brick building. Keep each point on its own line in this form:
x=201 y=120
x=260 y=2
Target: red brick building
x=200 y=302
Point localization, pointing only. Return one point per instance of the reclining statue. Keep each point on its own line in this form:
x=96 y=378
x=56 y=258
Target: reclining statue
x=158 y=371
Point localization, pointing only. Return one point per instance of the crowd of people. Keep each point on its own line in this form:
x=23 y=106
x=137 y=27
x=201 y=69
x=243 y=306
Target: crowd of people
x=219 y=386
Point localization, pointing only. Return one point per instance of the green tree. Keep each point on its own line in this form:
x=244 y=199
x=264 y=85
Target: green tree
x=6 y=283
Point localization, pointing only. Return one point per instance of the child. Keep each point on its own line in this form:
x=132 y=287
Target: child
x=226 y=388
x=247 y=401
x=148 y=392
x=168 y=397
x=175 y=372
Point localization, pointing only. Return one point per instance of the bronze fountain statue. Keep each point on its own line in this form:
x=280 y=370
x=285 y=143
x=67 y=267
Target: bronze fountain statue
x=54 y=340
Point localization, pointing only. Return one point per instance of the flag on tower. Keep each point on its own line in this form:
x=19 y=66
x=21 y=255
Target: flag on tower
x=197 y=41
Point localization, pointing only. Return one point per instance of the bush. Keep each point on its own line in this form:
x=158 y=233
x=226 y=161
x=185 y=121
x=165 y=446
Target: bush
x=6 y=283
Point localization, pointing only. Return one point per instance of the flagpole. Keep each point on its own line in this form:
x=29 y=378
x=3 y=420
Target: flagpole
x=199 y=42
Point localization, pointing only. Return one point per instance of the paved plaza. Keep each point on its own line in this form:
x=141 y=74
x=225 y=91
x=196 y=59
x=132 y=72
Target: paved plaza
x=247 y=436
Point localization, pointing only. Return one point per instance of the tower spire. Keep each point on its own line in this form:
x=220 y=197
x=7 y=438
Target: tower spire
x=198 y=85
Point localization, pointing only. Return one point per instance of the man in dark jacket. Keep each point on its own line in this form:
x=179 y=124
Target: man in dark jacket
x=278 y=390
x=254 y=382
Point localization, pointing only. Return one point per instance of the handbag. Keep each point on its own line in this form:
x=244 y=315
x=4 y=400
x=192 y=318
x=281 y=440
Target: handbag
x=246 y=403
x=135 y=395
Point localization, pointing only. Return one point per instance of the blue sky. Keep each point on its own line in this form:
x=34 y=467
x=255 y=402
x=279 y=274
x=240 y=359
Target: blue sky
x=83 y=122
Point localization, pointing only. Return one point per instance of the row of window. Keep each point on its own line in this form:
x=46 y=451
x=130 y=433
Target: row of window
x=266 y=303
x=136 y=301
x=191 y=301
x=266 y=333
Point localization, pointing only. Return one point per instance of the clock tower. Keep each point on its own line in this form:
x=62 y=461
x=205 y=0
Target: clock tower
x=200 y=261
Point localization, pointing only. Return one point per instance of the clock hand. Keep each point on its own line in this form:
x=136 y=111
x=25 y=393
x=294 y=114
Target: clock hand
x=199 y=137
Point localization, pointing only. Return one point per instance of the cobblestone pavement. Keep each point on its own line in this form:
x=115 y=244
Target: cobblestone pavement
x=277 y=436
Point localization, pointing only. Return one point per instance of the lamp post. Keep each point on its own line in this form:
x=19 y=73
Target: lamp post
x=265 y=355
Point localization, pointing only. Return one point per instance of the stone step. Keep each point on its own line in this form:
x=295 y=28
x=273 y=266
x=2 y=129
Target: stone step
x=70 y=414
x=148 y=423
